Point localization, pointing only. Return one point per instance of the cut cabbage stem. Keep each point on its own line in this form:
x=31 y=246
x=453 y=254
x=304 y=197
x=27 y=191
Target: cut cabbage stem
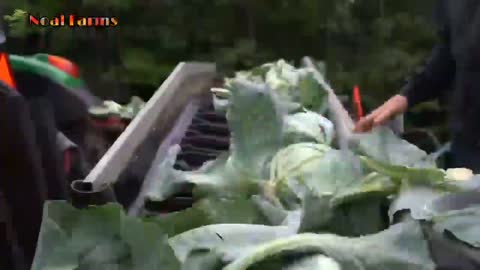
x=459 y=174
x=269 y=191
x=220 y=92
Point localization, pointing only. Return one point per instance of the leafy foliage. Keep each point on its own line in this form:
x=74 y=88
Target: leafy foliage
x=99 y=238
x=391 y=38
x=111 y=108
x=460 y=223
x=17 y=23
x=373 y=44
x=271 y=203
x=394 y=247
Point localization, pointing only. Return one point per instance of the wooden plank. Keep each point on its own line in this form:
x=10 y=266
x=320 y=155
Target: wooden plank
x=108 y=169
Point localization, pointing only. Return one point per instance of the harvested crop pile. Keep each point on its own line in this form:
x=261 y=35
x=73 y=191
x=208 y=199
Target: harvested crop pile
x=283 y=197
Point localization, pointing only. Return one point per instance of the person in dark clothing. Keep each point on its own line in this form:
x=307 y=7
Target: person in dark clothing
x=454 y=67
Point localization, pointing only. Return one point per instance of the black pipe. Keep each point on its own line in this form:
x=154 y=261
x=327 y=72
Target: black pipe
x=83 y=195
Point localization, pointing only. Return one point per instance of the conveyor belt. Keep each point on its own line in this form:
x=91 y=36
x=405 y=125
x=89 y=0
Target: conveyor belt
x=206 y=137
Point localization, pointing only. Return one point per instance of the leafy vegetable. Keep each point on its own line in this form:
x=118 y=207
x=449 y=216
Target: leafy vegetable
x=400 y=247
x=208 y=212
x=296 y=87
x=308 y=127
x=383 y=145
x=282 y=196
x=230 y=241
x=463 y=224
x=111 y=108
x=413 y=199
x=360 y=217
x=216 y=178
x=99 y=237
x=372 y=185
x=251 y=150
x=315 y=262
x=292 y=164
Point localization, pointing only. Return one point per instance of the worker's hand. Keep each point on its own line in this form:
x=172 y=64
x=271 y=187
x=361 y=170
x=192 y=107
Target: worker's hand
x=393 y=107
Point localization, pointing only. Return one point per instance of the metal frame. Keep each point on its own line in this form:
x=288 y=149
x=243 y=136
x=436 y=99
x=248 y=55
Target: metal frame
x=174 y=137
x=187 y=80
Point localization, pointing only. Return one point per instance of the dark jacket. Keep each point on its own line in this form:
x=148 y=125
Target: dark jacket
x=454 y=66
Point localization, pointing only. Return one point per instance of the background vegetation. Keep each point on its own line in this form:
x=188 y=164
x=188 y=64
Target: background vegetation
x=371 y=43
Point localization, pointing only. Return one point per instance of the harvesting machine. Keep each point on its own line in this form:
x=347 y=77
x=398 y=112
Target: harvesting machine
x=44 y=120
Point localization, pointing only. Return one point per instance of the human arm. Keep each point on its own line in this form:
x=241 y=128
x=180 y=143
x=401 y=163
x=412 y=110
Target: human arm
x=430 y=83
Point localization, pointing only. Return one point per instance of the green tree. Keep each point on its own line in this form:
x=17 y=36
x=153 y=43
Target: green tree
x=372 y=43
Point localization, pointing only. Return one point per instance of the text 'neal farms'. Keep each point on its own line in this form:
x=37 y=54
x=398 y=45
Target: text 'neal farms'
x=73 y=21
